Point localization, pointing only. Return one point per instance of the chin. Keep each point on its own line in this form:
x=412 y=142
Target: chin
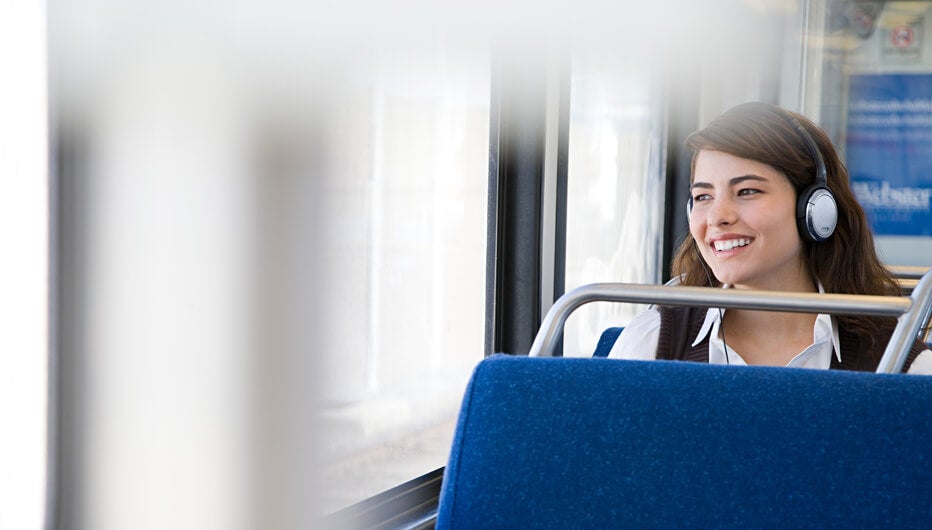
x=732 y=279
x=721 y=276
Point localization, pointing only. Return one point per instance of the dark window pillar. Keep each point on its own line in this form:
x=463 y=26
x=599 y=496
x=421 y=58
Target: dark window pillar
x=516 y=176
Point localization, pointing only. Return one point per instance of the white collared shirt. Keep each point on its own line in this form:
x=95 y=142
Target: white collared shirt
x=639 y=341
x=817 y=355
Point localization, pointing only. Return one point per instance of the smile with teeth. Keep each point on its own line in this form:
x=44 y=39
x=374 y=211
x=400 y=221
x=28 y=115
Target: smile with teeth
x=731 y=243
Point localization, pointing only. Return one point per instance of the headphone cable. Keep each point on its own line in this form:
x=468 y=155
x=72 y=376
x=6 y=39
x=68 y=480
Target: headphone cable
x=721 y=314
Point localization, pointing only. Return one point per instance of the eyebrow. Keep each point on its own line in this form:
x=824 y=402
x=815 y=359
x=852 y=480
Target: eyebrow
x=732 y=182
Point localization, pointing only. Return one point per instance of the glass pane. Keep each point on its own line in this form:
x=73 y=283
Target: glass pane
x=876 y=105
x=24 y=230
x=615 y=189
x=405 y=210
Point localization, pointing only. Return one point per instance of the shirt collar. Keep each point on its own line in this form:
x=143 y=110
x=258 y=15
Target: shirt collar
x=824 y=324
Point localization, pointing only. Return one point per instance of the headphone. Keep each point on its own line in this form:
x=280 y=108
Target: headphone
x=816 y=209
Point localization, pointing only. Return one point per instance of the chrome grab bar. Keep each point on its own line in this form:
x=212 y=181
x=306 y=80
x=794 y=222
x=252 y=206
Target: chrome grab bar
x=908 y=271
x=908 y=326
x=911 y=311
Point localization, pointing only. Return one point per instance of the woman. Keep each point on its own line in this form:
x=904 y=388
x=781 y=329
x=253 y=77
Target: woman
x=750 y=167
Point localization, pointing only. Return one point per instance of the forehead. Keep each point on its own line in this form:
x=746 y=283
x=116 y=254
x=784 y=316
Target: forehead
x=715 y=166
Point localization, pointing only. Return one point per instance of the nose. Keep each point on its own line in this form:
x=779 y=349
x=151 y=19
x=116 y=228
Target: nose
x=721 y=212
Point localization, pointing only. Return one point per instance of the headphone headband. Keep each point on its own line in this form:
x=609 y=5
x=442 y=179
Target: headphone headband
x=821 y=173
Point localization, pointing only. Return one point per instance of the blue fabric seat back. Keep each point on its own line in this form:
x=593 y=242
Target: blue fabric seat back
x=606 y=341
x=600 y=443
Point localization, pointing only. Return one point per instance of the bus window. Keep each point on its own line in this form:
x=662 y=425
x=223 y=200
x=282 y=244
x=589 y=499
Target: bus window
x=615 y=173
x=404 y=257
x=877 y=64
x=630 y=109
x=25 y=232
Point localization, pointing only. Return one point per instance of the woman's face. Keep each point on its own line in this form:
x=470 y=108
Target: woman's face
x=744 y=222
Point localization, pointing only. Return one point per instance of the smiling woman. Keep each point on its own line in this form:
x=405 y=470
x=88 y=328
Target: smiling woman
x=758 y=172
x=274 y=240
x=742 y=223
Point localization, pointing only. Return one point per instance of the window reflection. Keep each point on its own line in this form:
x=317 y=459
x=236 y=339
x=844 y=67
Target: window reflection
x=404 y=255
x=615 y=180
x=875 y=105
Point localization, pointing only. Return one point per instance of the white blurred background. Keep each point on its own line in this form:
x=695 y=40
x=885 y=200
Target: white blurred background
x=244 y=243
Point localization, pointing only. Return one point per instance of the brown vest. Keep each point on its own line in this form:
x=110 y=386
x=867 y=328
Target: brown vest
x=679 y=327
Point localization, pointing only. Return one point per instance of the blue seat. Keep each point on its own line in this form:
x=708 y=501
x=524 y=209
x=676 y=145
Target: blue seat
x=606 y=341
x=568 y=443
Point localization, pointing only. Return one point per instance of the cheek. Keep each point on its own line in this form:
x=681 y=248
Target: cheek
x=697 y=228
x=783 y=230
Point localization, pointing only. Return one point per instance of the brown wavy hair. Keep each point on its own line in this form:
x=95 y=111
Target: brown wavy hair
x=847 y=262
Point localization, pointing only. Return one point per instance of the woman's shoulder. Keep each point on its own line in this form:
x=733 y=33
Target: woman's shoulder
x=639 y=339
x=922 y=364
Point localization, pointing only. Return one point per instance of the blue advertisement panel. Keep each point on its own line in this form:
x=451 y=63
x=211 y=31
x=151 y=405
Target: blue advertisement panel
x=889 y=151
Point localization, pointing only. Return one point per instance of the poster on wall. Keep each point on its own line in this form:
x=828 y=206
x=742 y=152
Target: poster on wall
x=903 y=40
x=889 y=150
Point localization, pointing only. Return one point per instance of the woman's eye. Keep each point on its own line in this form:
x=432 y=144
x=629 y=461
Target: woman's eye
x=748 y=191
x=701 y=197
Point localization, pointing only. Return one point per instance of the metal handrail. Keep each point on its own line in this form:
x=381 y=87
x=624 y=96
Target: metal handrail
x=908 y=271
x=908 y=326
x=911 y=311
x=908 y=277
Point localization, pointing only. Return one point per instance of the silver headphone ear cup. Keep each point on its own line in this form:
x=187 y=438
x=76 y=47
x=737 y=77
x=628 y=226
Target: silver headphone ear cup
x=689 y=208
x=822 y=214
x=816 y=214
